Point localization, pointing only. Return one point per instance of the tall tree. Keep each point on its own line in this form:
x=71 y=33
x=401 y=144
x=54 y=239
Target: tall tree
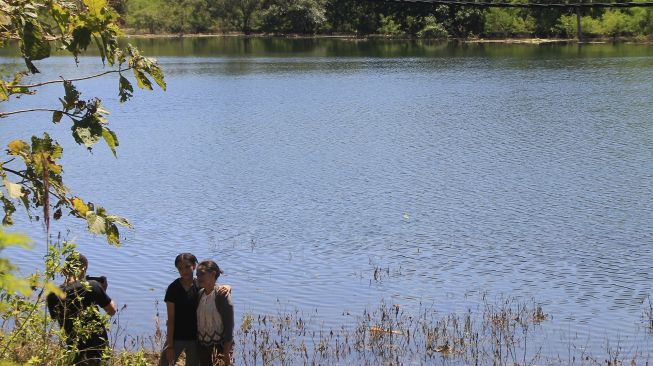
x=294 y=16
x=238 y=13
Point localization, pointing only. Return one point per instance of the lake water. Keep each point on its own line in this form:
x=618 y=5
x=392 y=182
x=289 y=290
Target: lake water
x=306 y=166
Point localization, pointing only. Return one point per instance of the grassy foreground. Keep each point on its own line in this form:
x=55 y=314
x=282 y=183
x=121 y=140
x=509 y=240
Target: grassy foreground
x=500 y=332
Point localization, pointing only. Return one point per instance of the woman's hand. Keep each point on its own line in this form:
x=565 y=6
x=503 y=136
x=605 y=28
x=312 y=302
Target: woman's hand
x=224 y=290
x=226 y=354
x=170 y=355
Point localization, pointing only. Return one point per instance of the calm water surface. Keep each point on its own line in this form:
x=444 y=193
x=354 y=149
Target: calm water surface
x=302 y=166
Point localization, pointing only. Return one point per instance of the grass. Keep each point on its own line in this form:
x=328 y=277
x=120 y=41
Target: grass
x=499 y=332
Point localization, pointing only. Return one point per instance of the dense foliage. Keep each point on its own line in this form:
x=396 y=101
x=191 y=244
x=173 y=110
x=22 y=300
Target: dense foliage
x=379 y=17
x=31 y=171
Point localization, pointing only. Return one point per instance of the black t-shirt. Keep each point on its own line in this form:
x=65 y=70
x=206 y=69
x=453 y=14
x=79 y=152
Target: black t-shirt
x=80 y=303
x=185 y=309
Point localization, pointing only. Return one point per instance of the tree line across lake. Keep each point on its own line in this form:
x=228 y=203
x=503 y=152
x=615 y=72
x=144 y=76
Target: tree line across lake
x=366 y=17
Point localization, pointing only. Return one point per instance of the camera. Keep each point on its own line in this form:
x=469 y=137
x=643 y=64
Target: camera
x=102 y=280
x=99 y=279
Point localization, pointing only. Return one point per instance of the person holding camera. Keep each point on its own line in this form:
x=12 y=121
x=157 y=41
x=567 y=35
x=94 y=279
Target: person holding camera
x=78 y=314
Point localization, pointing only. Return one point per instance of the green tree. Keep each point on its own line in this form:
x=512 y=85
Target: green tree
x=616 y=22
x=389 y=26
x=239 y=13
x=294 y=16
x=432 y=29
x=460 y=21
x=149 y=15
x=353 y=16
x=31 y=172
x=508 y=22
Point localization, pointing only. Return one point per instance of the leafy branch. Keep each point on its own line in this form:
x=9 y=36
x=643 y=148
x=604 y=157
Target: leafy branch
x=73 y=27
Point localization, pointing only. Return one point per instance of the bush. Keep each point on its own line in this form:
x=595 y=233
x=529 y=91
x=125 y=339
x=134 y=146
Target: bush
x=432 y=29
x=568 y=27
x=508 y=22
x=389 y=26
x=615 y=22
x=294 y=16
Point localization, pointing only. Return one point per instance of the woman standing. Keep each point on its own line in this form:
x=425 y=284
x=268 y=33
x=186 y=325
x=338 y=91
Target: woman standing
x=181 y=305
x=215 y=318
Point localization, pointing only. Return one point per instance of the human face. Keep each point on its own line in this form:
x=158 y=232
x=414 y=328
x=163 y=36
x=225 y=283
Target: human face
x=186 y=269
x=205 y=279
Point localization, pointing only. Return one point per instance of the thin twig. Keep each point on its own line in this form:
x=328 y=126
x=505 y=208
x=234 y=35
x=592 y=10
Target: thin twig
x=76 y=79
x=14 y=172
x=25 y=178
x=5 y=114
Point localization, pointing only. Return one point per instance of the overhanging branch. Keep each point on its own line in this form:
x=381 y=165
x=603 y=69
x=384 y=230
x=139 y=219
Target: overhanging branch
x=76 y=79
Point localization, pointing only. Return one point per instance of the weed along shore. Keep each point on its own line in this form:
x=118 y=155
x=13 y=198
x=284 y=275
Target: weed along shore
x=503 y=332
x=500 y=332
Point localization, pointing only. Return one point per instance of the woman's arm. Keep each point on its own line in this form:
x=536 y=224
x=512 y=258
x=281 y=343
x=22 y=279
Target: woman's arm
x=170 y=327
x=226 y=309
x=226 y=352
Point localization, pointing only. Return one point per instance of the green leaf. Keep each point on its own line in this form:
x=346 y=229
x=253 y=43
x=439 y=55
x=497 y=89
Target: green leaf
x=60 y=15
x=111 y=139
x=43 y=145
x=96 y=224
x=88 y=130
x=85 y=136
x=125 y=89
x=56 y=116
x=81 y=38
x=17 y=147
x=31 y=67
x=119 y=220
x=4 y=92
x=113 y=236
x=157 y=75
x=80 y=206
x=34 y=44
x=110 y=44
x=142 y=80
x=14 y=239
x=14 y=190
x=53 y=288
x=9 y=209
x=95 y=6
x=72 y=96
x=100 y=47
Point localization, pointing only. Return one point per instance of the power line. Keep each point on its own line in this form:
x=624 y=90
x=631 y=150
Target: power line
x=485 y=4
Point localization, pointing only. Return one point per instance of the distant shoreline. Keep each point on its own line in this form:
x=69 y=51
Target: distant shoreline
x=511 y=40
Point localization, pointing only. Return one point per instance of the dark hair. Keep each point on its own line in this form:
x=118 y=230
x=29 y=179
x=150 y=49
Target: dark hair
x=74 y=265
x=211 y=266
x=186 y=257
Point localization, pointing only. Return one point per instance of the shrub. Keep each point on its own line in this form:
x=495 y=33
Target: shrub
x=389 y=26
x=508 y=22
x=432 y=29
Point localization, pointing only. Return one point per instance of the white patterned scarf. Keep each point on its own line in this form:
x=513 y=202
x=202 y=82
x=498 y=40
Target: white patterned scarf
x=209 y=321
